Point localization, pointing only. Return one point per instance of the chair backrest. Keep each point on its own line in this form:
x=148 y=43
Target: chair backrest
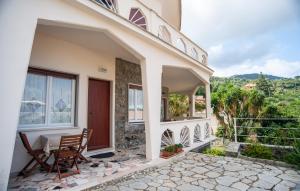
x=70 y=141
x=86 y=134
x=25 y=142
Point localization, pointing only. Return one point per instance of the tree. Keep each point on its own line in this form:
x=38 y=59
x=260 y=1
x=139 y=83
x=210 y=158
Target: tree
x=229 y=102
x=264 y=85
x=178 y=105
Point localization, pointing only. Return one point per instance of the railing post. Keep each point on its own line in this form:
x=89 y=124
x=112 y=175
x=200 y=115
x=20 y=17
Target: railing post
x=235 y=130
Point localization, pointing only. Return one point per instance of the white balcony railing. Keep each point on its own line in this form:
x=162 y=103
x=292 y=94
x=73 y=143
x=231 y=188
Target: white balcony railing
x=190 y=133
x=156 y=25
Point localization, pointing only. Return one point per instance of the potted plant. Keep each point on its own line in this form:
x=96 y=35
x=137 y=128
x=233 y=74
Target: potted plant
x=178 y=148
x=168 y=151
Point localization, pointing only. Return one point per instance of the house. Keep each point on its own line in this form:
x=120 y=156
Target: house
x=249 y=86
x=107 y=65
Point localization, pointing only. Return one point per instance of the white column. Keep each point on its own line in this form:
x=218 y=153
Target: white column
x=16 y=38
x=192 y=108
x=208 y=101
x=151 y=77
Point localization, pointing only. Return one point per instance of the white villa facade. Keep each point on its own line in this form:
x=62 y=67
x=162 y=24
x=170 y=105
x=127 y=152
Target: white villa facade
x=61 y=59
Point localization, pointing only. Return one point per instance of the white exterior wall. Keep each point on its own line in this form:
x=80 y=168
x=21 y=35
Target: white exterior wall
x=18 y=21
x=59 y=55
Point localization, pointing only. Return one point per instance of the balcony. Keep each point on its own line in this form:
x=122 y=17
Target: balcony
x=191 y=133
x=151 y=22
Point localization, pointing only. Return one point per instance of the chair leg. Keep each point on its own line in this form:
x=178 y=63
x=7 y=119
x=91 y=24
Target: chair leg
x=77 y=171
x=83 y=158
x=58 y=170
x=23 y=171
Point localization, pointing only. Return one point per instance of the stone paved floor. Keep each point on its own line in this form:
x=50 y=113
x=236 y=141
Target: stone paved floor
x=123 y=161
x=197 y=172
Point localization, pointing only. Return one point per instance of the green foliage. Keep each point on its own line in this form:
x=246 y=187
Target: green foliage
x=277 y=98
x=258 y=151
x=179 y=145
x=201 y=91
x=171 y=149
x=215 y=151
x=229 y=101
x=294 y=156
x=200 y=106
x=220 y=132
x=178 y=105
x=264 y=85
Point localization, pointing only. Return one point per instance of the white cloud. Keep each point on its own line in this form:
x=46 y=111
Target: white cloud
x=238 y=34
x=213 y=21
x=274 y=66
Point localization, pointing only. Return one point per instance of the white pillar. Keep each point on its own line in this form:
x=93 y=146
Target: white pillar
x=151 y=77
x=16 y=38
x=208 y=101
x=192 y=108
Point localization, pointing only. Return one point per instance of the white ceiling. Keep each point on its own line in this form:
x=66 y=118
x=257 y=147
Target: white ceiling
x=94 y=40
x=179 y=80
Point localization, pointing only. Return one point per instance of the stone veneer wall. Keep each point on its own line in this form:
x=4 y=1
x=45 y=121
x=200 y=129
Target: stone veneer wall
x=127 y=135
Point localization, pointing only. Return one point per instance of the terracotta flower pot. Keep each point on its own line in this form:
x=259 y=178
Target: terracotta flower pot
x=166 y=154
x=178 y=150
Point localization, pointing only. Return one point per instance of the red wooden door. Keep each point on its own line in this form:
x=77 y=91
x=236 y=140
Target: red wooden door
x=99 y=113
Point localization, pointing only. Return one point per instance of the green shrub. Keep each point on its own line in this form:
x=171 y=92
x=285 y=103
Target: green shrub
x=220 y=132
x=294 y=156
x=216 y=151
x=258 y=151
x=179 y=145
x=171 y=148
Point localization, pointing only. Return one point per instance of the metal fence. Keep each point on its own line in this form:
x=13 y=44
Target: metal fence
x=272 y=131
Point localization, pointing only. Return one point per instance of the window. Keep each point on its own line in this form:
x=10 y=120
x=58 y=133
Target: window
x=109 y=4
x=48 y=99
x=135 y=103
x=137 y=17
x=164 y=34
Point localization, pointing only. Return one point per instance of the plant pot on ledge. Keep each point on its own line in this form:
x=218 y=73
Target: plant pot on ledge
x=170 y=151
x=166 y=154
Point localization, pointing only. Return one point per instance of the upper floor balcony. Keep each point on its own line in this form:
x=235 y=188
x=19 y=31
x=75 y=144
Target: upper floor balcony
x=151 y=22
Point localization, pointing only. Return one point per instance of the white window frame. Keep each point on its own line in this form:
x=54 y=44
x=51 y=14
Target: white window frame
x=48 y=124
x=135 y=104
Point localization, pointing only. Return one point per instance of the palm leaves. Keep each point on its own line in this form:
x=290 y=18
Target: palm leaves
x=230 y=101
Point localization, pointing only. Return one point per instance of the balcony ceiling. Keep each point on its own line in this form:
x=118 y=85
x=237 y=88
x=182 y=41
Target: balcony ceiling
x=179 y=80
x=96 y=41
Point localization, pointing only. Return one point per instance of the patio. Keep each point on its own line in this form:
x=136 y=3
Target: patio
x=92 y=173
x=201 y=172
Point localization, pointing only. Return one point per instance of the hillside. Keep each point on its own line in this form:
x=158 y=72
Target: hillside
x=254 y=76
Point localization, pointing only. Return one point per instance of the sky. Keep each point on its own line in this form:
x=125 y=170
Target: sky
x=246 y=36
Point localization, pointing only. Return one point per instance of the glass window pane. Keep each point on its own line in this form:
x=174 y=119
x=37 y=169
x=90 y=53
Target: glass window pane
x=61 y=101
x=33 y=106
x=131 y=104
x=139 y=105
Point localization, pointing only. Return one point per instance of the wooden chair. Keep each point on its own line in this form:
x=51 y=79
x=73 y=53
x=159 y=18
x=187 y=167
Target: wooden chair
x=86 y=135
x=67 y=154
x=38 y=155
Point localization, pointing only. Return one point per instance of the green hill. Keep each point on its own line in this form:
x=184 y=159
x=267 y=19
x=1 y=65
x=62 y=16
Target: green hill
x=254 y=76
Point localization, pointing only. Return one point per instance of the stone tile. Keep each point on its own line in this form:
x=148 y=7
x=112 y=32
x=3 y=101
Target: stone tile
x=263 y=184
x=189 y=187
x=240 y=186
x=226 y=180
x=213 y=174
x=223 y=188
x=138 y=185
x=291 y=177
